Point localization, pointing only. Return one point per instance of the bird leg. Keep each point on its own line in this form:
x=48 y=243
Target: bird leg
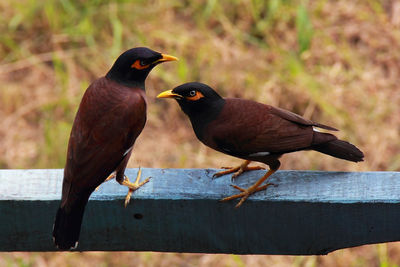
x=111 y=176
x=133 y=186
x=251 y=190
x=238 y=170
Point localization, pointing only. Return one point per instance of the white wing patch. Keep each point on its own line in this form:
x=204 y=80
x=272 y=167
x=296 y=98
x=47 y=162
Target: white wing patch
x=127 y=151
x=259 y=154
x=316 y=130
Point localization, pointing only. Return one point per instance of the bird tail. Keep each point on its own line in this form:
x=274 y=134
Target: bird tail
x=340 y=149
x=67 y=226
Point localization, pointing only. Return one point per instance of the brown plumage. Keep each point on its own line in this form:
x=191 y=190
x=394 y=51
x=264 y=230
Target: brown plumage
x=111 y=116
x=253 y=131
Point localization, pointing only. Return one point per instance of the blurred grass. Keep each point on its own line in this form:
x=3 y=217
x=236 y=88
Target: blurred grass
x=336 y=62
x=303 y=28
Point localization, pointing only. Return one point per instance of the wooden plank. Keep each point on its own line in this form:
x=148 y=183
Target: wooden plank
x=309 y=212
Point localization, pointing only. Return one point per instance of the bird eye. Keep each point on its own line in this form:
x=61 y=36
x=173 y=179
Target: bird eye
x=192 y=93
x=140 y=64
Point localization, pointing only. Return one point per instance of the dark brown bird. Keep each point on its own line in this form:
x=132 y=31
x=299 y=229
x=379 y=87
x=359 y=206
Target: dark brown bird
x=111 y=116
x=253 y=131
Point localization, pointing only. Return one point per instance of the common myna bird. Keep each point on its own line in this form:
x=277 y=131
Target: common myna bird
x=253 y=131
x=111 y=116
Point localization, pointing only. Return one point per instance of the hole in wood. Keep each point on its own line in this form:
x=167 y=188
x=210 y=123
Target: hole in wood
x=138 y=216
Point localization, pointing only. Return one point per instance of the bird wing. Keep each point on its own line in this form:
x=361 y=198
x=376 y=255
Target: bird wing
x=293 y=117
x=105 y=128
x=246 y=127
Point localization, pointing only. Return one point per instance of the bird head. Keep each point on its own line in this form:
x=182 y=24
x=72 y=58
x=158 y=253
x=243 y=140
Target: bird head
x=132 y=67
x=195 y=98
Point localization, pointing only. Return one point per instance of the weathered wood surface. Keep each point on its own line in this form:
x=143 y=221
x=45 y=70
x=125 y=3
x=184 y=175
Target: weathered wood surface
x=309 y=212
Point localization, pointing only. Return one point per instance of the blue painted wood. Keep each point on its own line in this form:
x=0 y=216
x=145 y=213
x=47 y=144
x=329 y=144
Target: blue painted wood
x=309 y=212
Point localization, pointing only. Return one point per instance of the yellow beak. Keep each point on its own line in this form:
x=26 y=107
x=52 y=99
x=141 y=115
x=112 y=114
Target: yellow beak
x=166 y=58
x=168 y=94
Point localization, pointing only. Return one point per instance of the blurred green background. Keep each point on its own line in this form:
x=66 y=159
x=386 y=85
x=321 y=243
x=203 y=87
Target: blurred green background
x=336 y=62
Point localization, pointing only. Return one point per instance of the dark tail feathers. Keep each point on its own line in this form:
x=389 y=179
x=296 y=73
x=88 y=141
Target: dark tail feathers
x=67 y=227
x=340 y=149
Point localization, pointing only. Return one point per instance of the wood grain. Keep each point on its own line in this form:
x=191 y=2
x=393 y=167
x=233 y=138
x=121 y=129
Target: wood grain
x=308 y=212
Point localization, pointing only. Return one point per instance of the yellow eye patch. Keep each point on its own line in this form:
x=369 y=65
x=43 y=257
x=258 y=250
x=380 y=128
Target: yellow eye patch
x=197 y=96
x=138 y=66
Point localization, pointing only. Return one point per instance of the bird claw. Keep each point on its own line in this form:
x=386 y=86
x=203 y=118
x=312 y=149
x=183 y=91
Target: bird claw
x=237 y=170
x=111 y=176
x=128 y=197
x=133 y=186
x=229 y=170
x=238 y=188
x=245 y=193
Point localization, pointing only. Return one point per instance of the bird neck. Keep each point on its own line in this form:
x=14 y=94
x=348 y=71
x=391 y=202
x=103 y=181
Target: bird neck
x=201 y=114
x=130 y=79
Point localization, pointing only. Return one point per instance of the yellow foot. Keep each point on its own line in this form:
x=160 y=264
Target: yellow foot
x=111 y=176
x=238 y=170
x=133 y=186
x=245 y=193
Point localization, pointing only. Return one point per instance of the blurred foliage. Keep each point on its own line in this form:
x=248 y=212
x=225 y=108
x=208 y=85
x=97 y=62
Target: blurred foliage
x=304 y=29
x=336 y=62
